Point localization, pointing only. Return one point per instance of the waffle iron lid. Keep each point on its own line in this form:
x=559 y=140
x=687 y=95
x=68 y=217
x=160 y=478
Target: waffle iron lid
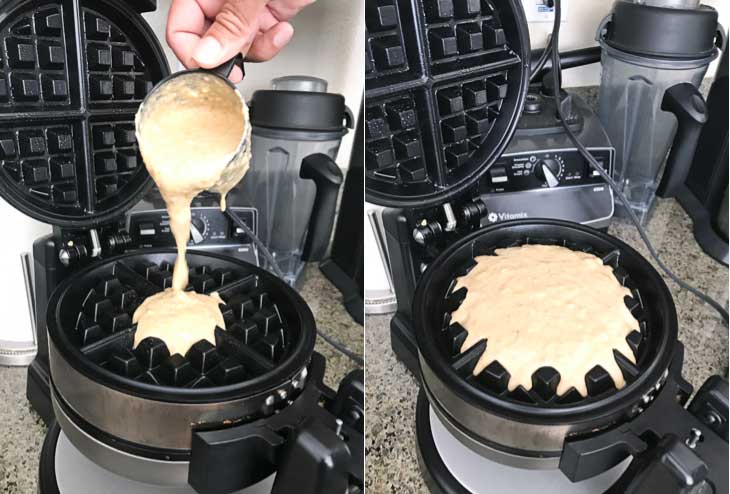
x=445 y=85
x=73 y=75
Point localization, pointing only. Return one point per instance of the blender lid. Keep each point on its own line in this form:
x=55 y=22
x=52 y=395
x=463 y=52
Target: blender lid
x=663 y=32
x=445 y=85
x=74 y=74
x=300 y=111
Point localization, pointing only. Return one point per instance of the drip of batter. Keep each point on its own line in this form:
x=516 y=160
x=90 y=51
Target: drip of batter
x=546 y=306
x=194 y=135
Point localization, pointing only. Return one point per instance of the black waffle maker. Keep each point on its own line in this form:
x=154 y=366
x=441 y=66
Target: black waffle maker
x=250 y=414
x=446 y=82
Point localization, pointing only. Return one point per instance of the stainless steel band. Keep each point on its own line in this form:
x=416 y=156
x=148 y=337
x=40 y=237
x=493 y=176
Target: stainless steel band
x=486 y=450
x=507 y=432
x=156 y=424
x=147 y=470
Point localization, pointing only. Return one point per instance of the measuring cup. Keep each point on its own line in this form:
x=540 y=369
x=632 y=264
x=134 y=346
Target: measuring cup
x=233 y=172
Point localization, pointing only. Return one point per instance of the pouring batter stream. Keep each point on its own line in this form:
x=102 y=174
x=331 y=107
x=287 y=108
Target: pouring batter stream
x=194 y=135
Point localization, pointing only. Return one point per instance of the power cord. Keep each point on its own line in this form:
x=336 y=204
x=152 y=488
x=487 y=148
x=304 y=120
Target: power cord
x=616 y=189
x=259 y=244
x=544 y=57
x=277 y=270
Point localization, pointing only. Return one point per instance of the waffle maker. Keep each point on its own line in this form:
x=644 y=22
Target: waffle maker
x=250 y=414
x=434 y=68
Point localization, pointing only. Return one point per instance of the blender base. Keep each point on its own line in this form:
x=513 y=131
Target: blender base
x=450 y=467
x=65 y=470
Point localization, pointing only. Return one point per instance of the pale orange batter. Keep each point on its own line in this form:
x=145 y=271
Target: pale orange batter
x=201 y=316
x=546 y=306
x=191 y=133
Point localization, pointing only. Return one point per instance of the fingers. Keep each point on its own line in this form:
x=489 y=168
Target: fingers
x=284 y=10
x=267 y=45
x=234 y=30
x=244 y=26
x=186 y=24
x=236 y=75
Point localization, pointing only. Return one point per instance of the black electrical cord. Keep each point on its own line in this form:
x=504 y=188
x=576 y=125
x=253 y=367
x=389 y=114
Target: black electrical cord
x=544 y=57
x=616 y=189
x=342 y=349
x=275 y=267
x=259 y=244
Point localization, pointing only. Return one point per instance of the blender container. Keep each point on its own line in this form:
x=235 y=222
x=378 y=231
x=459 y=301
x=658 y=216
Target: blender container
x=293 y=181
x=654 y=57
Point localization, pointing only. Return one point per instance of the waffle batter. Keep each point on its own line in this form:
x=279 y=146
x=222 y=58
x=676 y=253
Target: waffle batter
x=190 y=133
x=190 y=312
x=546 y=306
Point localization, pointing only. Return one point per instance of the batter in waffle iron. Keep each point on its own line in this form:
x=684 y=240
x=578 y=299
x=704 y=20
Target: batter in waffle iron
x=190 y=131
x=546 y=306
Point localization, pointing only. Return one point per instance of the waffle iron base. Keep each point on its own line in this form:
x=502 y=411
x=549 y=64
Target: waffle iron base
x=450 y=467
x=65 y=470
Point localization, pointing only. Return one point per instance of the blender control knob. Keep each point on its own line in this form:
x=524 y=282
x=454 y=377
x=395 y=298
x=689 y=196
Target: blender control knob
x=197 y=230
x=72 y=254
x=548 y=170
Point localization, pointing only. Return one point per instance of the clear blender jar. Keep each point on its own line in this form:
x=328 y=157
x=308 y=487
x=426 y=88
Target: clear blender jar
x=648 y=48
x=293 y=181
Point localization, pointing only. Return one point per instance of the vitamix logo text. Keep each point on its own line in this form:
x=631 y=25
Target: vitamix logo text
x=495 y=217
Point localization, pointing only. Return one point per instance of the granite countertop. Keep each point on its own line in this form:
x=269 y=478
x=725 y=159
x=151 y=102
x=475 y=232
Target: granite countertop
x=20 y=445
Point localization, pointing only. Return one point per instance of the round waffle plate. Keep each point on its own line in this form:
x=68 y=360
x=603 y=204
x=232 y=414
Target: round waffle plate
x=439 y=341
x=269 y=332
x=445 y=85
x=73 y=75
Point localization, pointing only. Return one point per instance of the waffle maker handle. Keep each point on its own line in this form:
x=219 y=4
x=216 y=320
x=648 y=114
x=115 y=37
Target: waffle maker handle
x=674 y=449
x=313 y=449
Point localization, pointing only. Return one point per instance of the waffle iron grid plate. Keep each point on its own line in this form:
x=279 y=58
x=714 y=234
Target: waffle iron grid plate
x=445 y=85
x=494 y=378
x=653 y=342
x=74 y=74
x=265 y=326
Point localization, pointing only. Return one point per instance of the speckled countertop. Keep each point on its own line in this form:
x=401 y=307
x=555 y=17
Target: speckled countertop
x=21 y=443
x=391 y=390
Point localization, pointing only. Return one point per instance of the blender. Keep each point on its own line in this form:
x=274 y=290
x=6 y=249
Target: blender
x=293 y=181
x=654 y=57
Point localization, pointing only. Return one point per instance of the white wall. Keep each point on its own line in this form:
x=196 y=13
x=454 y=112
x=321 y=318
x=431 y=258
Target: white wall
x=579 y=31
x=22 y=231
x=328 y=42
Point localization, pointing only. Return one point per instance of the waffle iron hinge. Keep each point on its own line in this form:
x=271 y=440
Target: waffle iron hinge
x=312 y=448
x=434 y=224
x=675 y=449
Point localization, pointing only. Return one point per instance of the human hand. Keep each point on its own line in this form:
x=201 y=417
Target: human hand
x=206 y=33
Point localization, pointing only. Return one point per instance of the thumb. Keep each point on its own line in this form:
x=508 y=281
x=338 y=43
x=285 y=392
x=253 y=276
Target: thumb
x=234 y=29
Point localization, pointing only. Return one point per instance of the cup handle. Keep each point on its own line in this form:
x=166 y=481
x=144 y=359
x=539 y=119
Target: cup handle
x=224 y=70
